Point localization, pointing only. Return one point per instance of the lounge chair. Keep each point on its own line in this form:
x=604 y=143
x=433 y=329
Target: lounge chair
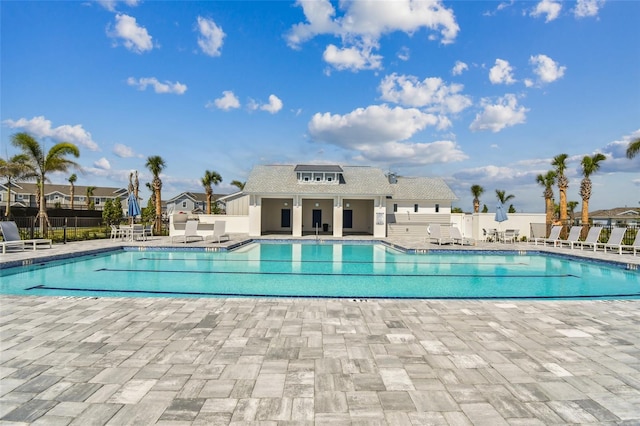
x=190 y=232
x=592 y=238
x=457 y=237
x=574 y=237
x=615 y=240
x=435 y=235
x=635 y=247
x=219 y=232
x=554 y=236
x=11 y=237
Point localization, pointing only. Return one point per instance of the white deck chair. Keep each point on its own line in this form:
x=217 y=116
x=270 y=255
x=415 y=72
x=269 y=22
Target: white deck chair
x=435 y=235
x=11 y=237
x=554 y=236
x=190 y=232
x=510 y=235
x=615 y=240
x=592 y=238
x=457 y=237
x=635 y=247
x=219 y=232
x=572 y=238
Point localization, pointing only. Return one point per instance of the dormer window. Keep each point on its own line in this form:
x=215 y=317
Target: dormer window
x=319 y=174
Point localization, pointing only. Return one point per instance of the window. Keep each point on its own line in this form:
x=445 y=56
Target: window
x=395 y=208
x=184 y=204
x=415 y=208
x=437 y=208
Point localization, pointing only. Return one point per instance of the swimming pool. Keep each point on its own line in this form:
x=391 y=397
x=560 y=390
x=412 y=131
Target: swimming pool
x=323 y=270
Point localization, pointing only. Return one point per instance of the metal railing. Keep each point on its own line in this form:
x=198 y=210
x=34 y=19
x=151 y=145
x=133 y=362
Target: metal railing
x=541 y=230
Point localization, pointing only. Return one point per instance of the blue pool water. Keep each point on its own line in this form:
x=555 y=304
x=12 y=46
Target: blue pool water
x=322 y=270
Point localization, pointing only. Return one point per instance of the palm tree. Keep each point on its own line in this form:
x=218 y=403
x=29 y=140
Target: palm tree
x=90 y=190
x=11 y=170
x=210 y=178
x=41 y=163
x=156 y=164
x=590 y=165
x=560 y=163
x=548 y=181
x=238 y=184
x=476 y=191
x=571 y=207
x=634 y=148
x=72 y=180
x=502 y=197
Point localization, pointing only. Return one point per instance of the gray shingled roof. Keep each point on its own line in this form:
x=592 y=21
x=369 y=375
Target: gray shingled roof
x=282 y=180
x=422 y=188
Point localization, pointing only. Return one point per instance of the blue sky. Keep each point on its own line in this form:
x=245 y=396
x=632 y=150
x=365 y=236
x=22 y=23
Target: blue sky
x=474 y=92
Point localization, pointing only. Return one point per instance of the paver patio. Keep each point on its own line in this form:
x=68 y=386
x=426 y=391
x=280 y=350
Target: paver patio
x=167 y=361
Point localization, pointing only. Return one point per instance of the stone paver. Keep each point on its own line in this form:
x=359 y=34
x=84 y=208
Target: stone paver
x=117 y=361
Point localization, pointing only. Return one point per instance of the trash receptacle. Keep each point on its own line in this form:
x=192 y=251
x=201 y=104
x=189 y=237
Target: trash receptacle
x=325 y=227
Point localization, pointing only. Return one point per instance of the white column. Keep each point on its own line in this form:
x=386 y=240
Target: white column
x=297 y=217
x=337 y=217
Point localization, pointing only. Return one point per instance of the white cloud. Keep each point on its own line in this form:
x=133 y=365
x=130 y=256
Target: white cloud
x=501 y=73
x=587 y=8
x=166 y=87
x=135 y=38
x=352 y=58
x=459 y=68
x=616 y=153
x=40 y=127
x=504 y=113
x=363 y=23
x=411 y=153
x=404 y=54
x=103 y=164
x=211 y=36
x=274 y=105
x=124 y=151
x=375 y=124
x=110 y=5
x=226 y=102
x=546 y=69
x=550 y=8
x=431 y=93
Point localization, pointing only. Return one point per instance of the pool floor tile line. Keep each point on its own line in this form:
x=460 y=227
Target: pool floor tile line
x=235 y=361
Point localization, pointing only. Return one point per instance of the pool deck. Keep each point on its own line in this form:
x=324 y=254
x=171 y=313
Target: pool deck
x=140 y=361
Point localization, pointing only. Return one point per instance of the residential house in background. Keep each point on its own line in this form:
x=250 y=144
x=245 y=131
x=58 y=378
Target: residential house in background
x=189 y=202
x=24 y=194
x=619 y=216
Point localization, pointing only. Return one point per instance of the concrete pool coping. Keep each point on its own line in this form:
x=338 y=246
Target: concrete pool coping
x=81 y=360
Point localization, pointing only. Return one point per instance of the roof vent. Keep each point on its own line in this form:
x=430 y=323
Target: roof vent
x=393 y=178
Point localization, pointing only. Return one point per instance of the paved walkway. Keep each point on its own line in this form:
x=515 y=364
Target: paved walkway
x=121 y=361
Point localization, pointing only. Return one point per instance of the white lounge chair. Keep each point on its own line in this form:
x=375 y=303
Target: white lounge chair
x=190 y=232
x=435 y=235
x=219 y=232
x=11 y=237
x=592 y=238
x=457 y=237
x=572 y=238
x=554 y=236
x=615 y=240
x=635 y=247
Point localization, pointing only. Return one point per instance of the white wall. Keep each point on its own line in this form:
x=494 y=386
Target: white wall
x=233 y=225
x=479 y=221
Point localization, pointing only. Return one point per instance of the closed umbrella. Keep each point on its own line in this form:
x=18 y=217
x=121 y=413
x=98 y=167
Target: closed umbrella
x=501 y=216
x=134 y=206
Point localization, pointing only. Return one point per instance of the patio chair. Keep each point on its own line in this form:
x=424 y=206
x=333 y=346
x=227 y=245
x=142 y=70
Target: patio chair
x=11 y=237
x=219 y=231
x=615 y=240
x=510 y=235
x=137 y=233
x=592 y=238
x=115 y=232
x=148 y=231
x=572 y=238
x=554 y=236
x=435 y=235
x=457 y=237
x=635 y=247
x=190 y=232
